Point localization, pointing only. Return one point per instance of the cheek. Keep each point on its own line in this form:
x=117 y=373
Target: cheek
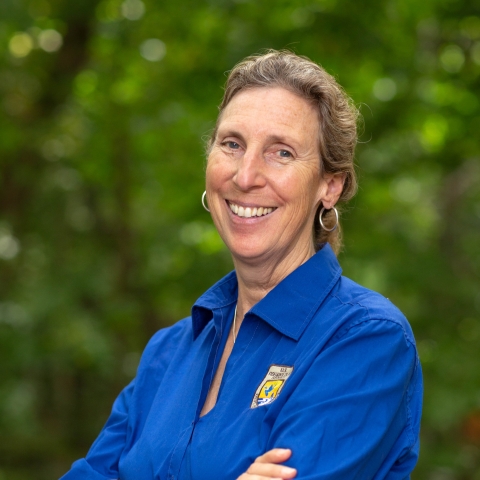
x=305 y=187
x=217 y=172
x=212 y=172
x=314 y=184
x=209 y=174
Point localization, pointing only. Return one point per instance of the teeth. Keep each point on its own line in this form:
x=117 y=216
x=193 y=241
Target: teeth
x=249 y=212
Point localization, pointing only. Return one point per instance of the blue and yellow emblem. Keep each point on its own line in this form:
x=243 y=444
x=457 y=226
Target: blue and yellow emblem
x=269 y=392
x=271 y=386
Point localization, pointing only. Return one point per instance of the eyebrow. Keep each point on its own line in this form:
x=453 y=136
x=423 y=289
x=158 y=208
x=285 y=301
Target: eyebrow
x=231 y=133
x=271 y=138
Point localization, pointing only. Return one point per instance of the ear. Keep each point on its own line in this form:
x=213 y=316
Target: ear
x=333 y=189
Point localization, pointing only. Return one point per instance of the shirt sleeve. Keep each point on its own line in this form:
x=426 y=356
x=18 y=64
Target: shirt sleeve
x=355 y=414
x=131 y=407
x=102 y=459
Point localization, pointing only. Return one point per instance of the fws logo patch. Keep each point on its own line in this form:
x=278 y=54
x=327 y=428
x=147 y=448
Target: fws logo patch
x=271 y=386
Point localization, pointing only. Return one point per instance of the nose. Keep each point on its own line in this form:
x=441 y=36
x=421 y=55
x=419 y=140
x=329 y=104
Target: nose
x=250 y=171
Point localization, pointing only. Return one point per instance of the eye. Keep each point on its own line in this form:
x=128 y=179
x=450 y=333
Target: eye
x=285 y=154
x=231 y=144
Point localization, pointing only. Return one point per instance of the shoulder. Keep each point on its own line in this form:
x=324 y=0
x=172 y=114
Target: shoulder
x=364 y=308
x=166 y=335
x=165 y=344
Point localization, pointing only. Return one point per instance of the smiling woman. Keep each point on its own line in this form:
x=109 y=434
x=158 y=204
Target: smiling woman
x=265 y=157
x=285 y=369
x=333 y=129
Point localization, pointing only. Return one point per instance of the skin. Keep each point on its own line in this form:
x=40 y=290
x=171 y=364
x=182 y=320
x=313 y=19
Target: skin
x=266 y=154
x=266 y=466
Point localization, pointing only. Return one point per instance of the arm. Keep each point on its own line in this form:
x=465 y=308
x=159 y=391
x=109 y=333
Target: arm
x=102 y=459
x=131 y=407
x=355 y=413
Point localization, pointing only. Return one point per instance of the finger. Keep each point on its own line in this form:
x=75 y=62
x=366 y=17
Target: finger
x=247 y=476
x=276 y=455
x=271 y=470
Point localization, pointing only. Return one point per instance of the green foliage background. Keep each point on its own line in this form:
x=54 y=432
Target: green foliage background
x=103 y=239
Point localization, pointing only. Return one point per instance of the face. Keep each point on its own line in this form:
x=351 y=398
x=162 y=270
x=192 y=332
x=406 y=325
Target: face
x=263 y=176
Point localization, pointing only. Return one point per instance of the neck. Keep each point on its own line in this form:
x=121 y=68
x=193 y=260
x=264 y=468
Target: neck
x=257 y=277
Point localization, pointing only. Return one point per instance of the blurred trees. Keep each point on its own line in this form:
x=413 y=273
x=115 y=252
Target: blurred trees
x=103 y=239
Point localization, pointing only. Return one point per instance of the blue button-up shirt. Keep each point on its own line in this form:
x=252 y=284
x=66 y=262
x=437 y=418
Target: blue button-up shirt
x=321 y=365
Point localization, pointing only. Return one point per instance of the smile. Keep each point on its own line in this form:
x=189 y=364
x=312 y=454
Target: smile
x=248 y=212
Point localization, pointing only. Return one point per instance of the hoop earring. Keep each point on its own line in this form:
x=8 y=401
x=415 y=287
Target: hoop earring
x=203 y=201
x=321 y=222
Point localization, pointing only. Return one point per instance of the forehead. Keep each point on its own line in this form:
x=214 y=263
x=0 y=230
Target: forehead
x=272 y=111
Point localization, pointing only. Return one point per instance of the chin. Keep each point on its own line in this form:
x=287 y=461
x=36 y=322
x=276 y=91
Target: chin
x=249 y=253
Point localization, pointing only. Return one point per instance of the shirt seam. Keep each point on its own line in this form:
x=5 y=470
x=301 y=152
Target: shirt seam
x=224 y=379
x=169 y=472
x=371 y=318
x=411 y=433
x=216 y=350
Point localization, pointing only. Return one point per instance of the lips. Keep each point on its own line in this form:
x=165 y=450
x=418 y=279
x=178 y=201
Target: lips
x=248 y=212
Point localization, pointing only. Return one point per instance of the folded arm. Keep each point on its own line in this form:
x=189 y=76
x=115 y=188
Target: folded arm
x=355 y=414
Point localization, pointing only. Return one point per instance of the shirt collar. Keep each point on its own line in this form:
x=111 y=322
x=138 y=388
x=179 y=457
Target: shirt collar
x=289 y=307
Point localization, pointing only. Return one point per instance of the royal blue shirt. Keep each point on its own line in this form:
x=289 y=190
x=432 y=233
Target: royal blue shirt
x=321 y=365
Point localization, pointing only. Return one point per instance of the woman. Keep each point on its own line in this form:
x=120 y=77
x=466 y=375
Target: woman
x=285 y=368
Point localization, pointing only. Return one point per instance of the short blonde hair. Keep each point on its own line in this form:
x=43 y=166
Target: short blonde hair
x=337 y=116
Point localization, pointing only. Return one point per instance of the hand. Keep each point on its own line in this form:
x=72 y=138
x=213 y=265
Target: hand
x=266 y=466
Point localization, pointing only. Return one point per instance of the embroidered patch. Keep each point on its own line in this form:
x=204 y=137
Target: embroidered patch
x=271 y=386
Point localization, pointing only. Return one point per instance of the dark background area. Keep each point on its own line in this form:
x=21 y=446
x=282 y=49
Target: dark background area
x=103 y=239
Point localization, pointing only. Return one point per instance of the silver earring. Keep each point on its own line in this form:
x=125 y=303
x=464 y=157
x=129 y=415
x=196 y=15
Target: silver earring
x=321 y=222
x=203 y=201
